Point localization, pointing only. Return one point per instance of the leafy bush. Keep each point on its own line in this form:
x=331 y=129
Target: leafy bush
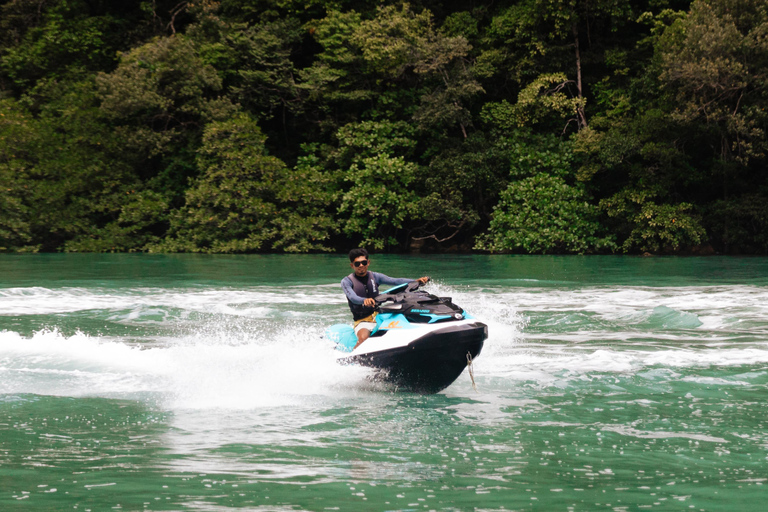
x=654 y=227
x=543 y=214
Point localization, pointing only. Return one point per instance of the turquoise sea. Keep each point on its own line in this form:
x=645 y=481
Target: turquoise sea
x=189 y=382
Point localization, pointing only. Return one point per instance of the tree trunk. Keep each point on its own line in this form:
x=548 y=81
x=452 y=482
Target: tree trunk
x=580 y=109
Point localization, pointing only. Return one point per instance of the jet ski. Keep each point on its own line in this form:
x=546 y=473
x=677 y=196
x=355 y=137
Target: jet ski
x=421 y=342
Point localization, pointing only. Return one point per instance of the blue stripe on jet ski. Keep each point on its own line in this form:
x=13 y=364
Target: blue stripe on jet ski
x=437 y=318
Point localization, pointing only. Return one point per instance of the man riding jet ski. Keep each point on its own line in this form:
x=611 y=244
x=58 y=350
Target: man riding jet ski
x=361 y=287
x=416 y=340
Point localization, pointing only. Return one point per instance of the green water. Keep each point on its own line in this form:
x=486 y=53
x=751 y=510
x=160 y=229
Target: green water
x=142 y=382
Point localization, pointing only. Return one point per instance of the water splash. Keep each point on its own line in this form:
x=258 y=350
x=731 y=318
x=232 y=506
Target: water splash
x=258 y=347
x=198 y=371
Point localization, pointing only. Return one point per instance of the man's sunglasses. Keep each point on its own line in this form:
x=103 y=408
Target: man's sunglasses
x=361 y=263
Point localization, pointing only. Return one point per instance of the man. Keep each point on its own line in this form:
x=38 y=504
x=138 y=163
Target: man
x=361 y=286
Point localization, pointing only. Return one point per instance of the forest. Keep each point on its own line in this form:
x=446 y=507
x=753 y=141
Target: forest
x=287 y=126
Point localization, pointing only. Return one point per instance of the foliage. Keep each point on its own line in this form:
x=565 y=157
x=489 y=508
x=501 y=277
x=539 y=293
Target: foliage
x=379 y=201
x=654 y=227
x=253 y=61
x=379 y=198
x=44 y=39
x=278 y=125
x=741 y=222
x=541 y=35
x=541 y=100
x=230 y=207
x=16 y=132
x=715 y=62
x=461 y=186
x=333 y=77
x=158 y=101
x=540 y=212
x=304 y=193
x=396 y=41
x=157 y=91
x=73 y=184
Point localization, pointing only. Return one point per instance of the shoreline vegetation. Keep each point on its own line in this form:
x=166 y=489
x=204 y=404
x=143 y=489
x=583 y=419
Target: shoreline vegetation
x=525 y=126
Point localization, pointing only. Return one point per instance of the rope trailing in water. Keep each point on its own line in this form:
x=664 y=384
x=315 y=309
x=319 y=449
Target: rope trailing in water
x=471 y=371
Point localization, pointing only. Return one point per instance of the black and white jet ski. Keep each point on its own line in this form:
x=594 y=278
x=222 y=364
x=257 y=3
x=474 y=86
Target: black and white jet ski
x=421 y=342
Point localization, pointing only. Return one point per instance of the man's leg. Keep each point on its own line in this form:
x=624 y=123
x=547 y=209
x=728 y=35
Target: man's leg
x=363 y=330
x=362 y=335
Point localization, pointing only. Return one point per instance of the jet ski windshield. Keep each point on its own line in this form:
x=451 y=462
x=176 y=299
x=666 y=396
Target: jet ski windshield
x=396 y=289
x=398 y=293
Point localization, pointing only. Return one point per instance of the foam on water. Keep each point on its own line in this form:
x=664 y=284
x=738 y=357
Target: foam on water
x=41 y=301
x=257 y=347
x=720 y=303
x=191 y=372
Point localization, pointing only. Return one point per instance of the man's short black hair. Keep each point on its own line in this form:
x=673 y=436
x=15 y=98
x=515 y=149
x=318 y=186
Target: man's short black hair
x=356 y=253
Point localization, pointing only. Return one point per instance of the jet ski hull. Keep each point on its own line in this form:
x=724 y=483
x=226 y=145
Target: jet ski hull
x=429 y=363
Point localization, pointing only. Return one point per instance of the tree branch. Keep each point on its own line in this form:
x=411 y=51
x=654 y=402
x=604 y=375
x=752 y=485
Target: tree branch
x=178 y=9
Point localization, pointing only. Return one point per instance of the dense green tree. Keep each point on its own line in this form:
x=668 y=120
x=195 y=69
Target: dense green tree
x=398 y=41
x=397 y=64
x=335 y=84
x=253 y=61
x=654 y=227
x=45 y=39
x=231 y=206
x=464 y=182
x=55 y=42
x=158 y=101
x=543 y=209
x=74 y=184
x=278 y=125
x=378 y=197
x=645 y=177
x=15 y=144
x=549 y=36
x=681 y=134
x=741 y=222
x=543 y=104
x=714 y=63
x=543 y=214
x=461 y=187
x=305 y=221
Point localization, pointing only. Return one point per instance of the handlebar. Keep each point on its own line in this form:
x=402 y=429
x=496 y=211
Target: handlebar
x=409 y=287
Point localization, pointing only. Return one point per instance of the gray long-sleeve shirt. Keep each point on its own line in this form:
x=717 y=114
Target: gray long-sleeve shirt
x=349 y=291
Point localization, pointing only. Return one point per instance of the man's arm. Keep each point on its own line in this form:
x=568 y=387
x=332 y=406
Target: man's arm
x=349 y=291
x=394 y=281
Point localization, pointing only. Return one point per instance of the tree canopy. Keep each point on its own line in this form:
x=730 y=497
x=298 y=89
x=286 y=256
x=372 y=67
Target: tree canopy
x=524 y=126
